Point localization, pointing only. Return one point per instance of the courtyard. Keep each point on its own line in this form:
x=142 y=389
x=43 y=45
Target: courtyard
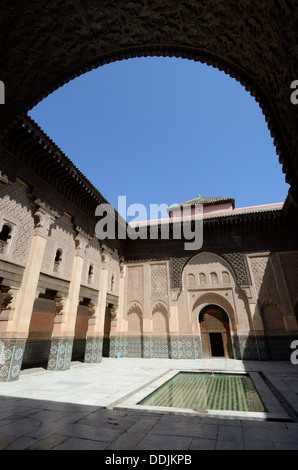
x=94 y=407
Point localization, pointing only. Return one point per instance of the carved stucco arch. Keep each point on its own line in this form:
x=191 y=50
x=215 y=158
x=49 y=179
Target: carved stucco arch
x=46 y=44
x=134 y=307
x=161 y=306
x=213 y=299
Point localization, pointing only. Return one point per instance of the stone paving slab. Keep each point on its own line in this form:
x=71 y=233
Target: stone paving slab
x=34 y=415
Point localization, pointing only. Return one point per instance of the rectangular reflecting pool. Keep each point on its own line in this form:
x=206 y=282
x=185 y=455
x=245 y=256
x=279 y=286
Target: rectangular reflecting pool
x=207 y=391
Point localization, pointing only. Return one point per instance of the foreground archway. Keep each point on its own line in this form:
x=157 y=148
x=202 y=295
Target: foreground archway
x=249 y=41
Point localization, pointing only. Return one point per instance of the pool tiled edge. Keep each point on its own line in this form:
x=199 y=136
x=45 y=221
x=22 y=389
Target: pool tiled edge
x=275 y=411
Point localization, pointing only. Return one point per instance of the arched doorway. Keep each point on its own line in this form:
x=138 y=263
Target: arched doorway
x=215 y=332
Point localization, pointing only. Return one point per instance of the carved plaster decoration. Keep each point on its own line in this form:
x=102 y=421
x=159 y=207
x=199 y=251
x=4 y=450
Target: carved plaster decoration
x=42 y=222
x=3 y=179
x=134 y=307
x=160 y=307
x=81 y=241
x=272 y=303
x=113 y=312
x=7 y=303
x=105 y=259
x=92 y=310
x=122 y=270
x=60 y=306
x=8 y=299
x=175 y=293
x=254 y=42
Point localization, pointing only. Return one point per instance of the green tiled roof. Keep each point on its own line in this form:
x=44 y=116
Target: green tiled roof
x=206 y=201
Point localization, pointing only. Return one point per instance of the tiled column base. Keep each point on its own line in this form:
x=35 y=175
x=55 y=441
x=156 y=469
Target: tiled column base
x=60 y=354
x=11 y=357
x=117 y=346
x=93 y=351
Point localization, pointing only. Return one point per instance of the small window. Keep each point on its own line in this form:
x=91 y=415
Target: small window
x=226 y=277
x=5 y=233
x=58 y=259
x=214 y=279
x=112 y=282
x=191 y=280
x=5 y=236
x=90 y=273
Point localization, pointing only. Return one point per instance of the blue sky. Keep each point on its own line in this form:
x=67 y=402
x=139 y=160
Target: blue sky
x=162 y=131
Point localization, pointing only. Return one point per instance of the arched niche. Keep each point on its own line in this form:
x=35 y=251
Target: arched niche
x=160 y=319
x=272 y=317
x=135 y=319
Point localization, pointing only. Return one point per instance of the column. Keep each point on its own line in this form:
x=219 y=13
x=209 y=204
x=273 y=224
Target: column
x=15 y=329
x=173 y=324
x=66 y=312
x=95 y=333
x=118 y=324
x=146 y=338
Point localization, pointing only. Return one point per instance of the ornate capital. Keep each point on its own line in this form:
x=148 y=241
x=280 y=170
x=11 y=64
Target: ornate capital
x=42 y=222
x=113 y=312
x=81 y=241
x=7 y=303
x=92 y=310
x=61 y=303
x=122 y=270
x=175 y=294
x=105 y=259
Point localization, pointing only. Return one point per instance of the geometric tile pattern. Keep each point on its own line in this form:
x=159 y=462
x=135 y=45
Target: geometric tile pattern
x=11 y=356
x=133 y=346
x=156 y=347
x=12 y=351
x=248 y=348
x=185 y=347
x=93 y=351
x=279 y=348
x=60 y=353
x=264 y=348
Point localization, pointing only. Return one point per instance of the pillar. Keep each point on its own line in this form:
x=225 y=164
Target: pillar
x=14 y=327
x=66 y=312
x=174 y=345
x=95 y=333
